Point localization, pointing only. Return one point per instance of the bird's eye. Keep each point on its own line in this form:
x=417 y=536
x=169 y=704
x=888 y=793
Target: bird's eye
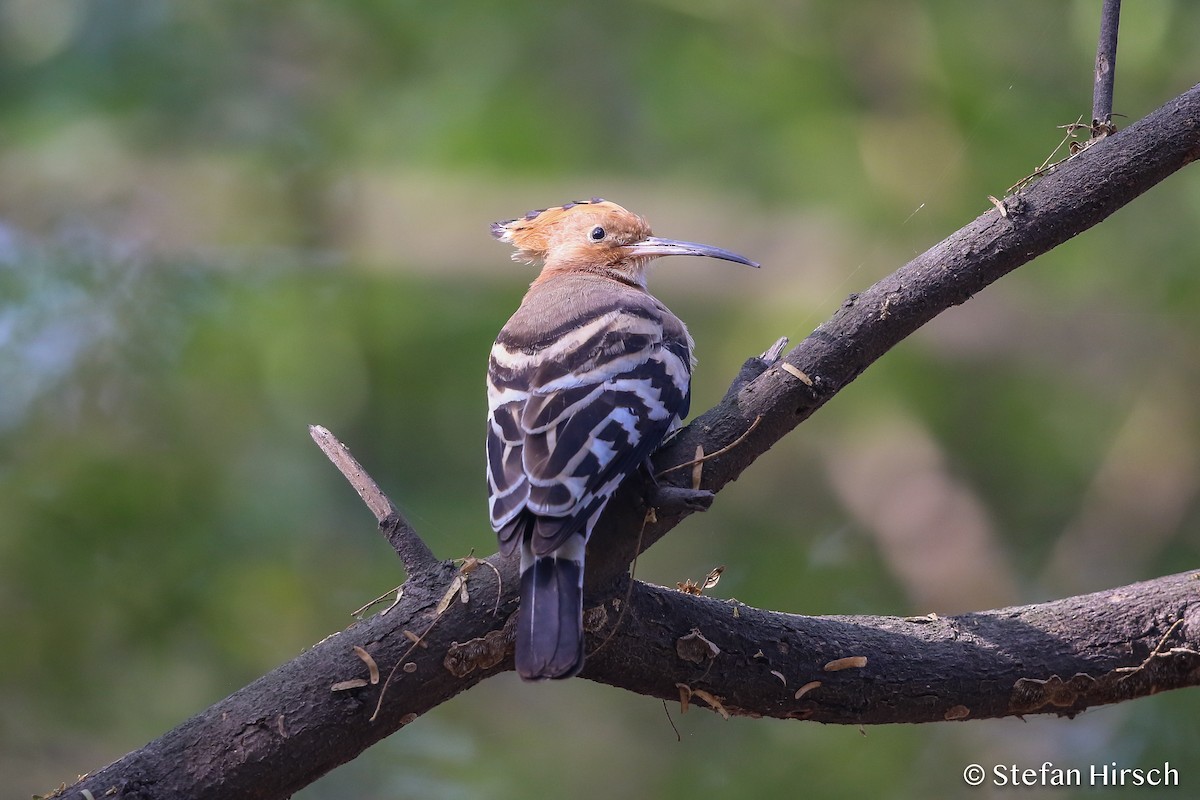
x=597 y=234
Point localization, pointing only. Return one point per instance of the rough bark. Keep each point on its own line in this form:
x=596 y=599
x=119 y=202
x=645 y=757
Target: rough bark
x=289 y=727
x=1058 y=657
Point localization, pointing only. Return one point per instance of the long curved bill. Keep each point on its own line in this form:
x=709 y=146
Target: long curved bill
x=654 y=246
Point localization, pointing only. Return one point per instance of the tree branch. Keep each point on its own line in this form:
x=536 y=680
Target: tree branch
x=1068 y=200
x=1058 y=657
x=416 y=556
x=1106 y=70
x=291 y=726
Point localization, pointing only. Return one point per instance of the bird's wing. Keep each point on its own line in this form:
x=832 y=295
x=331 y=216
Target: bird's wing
x=570 y=420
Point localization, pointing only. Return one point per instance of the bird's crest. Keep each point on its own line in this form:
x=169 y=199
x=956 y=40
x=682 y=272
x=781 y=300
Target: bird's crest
x=534 y=234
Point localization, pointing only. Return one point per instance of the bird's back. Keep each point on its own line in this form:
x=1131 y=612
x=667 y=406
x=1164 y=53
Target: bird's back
x=584 y=381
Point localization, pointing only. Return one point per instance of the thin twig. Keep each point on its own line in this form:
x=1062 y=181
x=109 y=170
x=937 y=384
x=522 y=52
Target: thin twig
x=1106 y=70
x=1070 y=129
x=720 y=452
x=364 y=484
x=1154 y=653
x=667 y=711
x=414 y=553
x=471 y=563
x=397 y=591
x=417 y=642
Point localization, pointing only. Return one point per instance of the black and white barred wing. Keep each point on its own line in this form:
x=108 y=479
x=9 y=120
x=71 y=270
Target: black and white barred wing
x=569 y=421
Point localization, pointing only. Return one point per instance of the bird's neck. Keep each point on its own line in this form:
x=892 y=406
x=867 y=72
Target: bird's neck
x=632 y=276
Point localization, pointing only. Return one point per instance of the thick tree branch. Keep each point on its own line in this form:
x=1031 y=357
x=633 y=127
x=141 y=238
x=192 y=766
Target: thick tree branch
x=289 y=727
x=1058 y=657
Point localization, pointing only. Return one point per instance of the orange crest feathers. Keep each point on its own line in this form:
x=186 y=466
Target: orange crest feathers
x=534 y=234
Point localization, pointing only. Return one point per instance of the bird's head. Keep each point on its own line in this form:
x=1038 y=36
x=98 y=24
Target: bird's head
x=595 y=235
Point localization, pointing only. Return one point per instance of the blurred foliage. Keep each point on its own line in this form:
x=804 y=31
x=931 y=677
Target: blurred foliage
x=223 y=221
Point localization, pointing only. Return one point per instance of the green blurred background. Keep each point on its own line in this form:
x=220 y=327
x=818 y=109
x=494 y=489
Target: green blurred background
x=223 y=221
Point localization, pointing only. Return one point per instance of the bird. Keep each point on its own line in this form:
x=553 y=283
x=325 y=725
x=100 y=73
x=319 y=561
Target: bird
x=584 y=382
x=587 y=378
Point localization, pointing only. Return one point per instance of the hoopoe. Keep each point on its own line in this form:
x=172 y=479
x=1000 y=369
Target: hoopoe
x=585 y=381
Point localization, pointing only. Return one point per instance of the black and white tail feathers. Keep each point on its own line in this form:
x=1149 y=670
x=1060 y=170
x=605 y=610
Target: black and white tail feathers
x=550 y=620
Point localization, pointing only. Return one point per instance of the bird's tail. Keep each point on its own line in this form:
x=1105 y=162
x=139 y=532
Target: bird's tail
x=550 y=621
